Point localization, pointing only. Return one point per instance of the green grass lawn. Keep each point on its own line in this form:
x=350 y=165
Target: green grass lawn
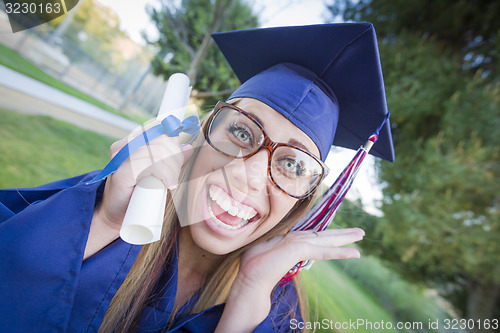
x=39 y=149
x=13 y=60
x=334 y=296
x=345 y=291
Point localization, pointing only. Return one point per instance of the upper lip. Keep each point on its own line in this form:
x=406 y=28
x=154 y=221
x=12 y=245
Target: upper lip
x=240 y=197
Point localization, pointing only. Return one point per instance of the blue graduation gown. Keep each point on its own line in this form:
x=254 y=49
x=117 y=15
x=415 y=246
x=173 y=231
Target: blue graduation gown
x=45 y=286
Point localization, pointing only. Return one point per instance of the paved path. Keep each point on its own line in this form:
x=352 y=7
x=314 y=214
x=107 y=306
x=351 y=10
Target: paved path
x=24 y=94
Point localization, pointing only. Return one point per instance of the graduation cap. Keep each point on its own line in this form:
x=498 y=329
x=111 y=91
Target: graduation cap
x=326 y=79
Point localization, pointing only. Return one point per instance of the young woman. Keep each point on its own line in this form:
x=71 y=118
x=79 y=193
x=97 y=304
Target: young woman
x=252 y=176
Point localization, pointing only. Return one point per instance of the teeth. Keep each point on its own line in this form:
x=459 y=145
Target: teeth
x=233 y=211
x=224 y=225
x=231 y=206
x=226 y=204
x=242 y=215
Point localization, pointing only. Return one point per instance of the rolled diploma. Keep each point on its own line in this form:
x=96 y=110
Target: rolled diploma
x=143 y=220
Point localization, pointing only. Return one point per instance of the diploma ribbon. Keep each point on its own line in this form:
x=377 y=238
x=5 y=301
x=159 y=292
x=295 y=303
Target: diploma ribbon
x=170 y=126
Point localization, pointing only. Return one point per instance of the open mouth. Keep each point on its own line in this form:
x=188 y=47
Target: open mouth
x=228 y=213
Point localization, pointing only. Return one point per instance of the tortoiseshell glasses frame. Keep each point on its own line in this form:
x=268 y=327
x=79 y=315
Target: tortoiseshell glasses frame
x=266 y=143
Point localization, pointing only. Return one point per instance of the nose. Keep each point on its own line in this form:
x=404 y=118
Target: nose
x=250 y=175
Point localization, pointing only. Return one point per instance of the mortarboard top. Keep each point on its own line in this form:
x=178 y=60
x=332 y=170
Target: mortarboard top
x=342 y=58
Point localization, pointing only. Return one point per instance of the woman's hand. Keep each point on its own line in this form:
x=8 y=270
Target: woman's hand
x=162 y=157
x=263 y=266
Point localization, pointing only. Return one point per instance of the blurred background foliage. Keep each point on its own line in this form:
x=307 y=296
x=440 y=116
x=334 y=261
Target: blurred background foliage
x=470 y=29
x=94 y=28
x=441 y=198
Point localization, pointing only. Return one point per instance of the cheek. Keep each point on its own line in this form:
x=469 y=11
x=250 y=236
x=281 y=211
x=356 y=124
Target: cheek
x=281 y=204
x=190 y=201
x=203 y=162
x=207 y=161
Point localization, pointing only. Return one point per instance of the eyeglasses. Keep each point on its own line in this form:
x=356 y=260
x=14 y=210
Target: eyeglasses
x=236 y=134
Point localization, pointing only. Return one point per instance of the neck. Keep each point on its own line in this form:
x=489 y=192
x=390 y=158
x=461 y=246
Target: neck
x=194 y=265
x=194 y=262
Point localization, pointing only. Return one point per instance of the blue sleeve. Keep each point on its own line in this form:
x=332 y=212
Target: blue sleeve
x=284 y=309
x=42 y=274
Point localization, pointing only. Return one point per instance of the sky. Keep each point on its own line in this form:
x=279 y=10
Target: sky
x=134 y=20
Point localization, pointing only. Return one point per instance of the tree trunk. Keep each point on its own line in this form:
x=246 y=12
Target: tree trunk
x=481 y=300
x=196 y=61
x=221 y=7
x=63 y=26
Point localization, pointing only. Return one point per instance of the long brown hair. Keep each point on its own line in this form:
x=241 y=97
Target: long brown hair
x=129 y=301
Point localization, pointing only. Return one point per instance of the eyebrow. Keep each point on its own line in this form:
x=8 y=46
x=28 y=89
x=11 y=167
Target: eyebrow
x=298 y=144
x=292 y=141
x=256 y=118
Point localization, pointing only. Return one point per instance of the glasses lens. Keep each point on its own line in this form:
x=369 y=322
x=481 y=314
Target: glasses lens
x=294 y=171
x=234 y=134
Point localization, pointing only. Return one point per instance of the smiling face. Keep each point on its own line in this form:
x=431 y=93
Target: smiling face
x=232 y=202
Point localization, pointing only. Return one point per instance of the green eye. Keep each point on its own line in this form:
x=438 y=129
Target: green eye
x=241 y=135
x=290 y=166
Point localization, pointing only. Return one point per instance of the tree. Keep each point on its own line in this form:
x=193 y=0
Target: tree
x=441 y=192
x=470 y=28
x=186 y=43
x=441 y=203
x=94 y=28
